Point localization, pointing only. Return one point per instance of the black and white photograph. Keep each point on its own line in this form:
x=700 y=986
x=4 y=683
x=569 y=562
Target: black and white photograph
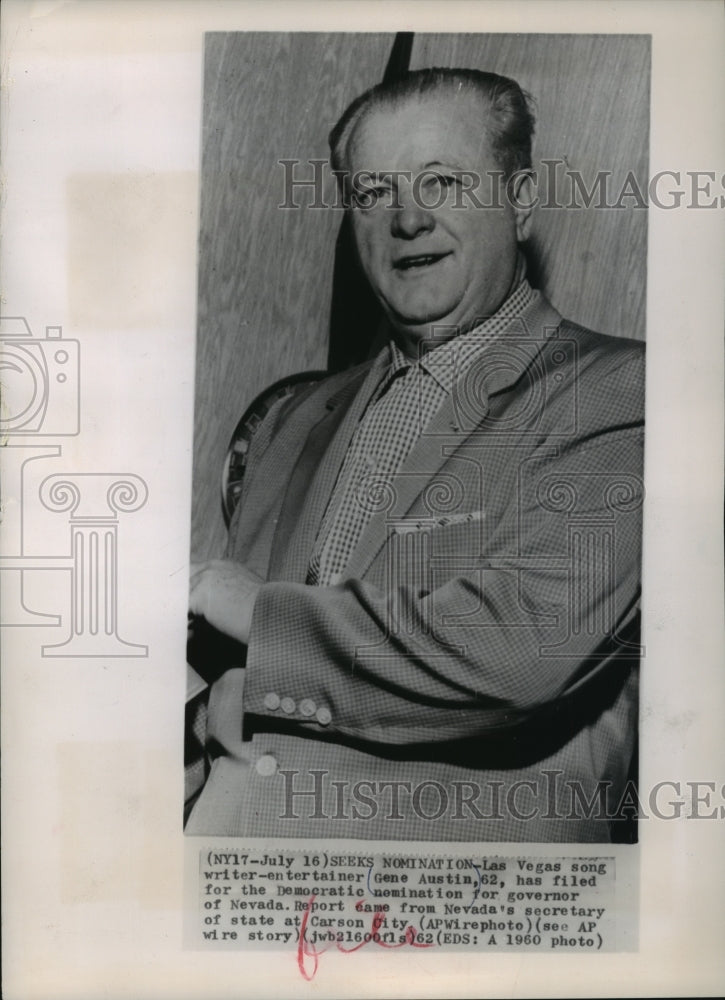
x=361 y=475
x=425 y=622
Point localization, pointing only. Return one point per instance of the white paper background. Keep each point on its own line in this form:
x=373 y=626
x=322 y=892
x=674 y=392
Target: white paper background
x=101 y=117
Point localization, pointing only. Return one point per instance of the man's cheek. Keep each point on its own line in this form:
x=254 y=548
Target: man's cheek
x=372 y=261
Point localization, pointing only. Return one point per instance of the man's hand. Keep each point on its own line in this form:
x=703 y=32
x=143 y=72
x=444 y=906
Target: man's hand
x=224 y=592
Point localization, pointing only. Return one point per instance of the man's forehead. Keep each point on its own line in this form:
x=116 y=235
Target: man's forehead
x=431 y=126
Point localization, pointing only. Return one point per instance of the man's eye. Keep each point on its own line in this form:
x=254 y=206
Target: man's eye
x=368 y=197
x=444 y=181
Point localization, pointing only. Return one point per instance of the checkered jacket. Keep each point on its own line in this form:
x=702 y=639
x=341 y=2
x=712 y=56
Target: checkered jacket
x=473 y=676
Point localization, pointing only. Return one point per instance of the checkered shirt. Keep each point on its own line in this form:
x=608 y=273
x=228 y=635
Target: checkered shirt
x=408 y=397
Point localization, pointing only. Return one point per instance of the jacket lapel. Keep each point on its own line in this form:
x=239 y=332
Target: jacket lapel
x=447 y=431
x=316 y=470
x=313 y=479
x=427 y=457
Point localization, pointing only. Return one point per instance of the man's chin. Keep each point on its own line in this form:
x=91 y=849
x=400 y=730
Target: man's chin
x=428 y=333
x=417 y=335
x=418 y=323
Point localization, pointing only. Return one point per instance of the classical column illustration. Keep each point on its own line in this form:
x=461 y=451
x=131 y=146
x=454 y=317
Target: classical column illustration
x=94 y=502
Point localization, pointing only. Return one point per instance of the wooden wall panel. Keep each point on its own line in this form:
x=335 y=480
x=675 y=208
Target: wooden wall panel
x=592 y=108
x=265 y=273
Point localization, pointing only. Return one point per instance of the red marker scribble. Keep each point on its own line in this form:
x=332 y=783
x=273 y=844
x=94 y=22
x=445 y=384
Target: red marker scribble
x=309 y=950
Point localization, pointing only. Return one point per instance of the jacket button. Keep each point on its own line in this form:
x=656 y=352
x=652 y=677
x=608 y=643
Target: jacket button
x=324 y=716
x=271 y=701
x=266 y=766
x=307 y=707
x=287 y=705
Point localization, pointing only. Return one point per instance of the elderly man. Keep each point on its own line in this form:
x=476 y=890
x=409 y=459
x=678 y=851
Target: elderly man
x=434 y=566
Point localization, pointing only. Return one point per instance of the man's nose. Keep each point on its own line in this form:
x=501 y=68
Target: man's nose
x=410 y=218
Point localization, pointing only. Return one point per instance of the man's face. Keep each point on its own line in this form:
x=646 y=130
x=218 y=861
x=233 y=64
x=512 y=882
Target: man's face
x=450 y=265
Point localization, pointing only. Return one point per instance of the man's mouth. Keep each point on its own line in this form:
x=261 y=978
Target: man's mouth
x=412 y=261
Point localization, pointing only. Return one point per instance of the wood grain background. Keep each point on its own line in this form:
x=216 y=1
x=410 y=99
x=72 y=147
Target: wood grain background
x=266 y=273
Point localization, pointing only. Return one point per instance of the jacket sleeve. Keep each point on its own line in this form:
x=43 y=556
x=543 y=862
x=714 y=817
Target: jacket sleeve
x=503 y=633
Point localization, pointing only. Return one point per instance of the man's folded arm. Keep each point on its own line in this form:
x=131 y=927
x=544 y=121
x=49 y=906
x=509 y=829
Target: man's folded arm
x=489 y=647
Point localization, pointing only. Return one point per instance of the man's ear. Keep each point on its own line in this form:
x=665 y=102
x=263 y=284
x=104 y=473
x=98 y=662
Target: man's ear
x=521 y=190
